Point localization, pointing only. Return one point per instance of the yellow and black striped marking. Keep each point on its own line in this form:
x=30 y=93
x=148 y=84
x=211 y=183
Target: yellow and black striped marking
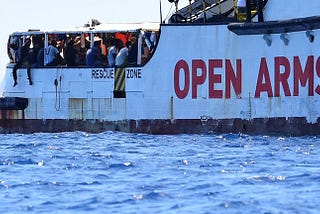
x=120 y=83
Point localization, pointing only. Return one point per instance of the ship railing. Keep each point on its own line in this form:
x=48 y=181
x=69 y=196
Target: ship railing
x=145 y=40
x=208 y=11
x=204 y=11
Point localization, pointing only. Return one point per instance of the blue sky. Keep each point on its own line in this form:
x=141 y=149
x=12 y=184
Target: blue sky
x=21 y=15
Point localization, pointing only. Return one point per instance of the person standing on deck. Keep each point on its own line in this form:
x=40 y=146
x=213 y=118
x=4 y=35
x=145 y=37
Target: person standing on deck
x=70 y=53
x=52 y=52
x=122 y=56
x=93 y=56
x=112 y=52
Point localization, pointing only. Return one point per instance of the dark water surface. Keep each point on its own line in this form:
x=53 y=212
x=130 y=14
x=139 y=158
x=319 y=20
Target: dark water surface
x=135 y=173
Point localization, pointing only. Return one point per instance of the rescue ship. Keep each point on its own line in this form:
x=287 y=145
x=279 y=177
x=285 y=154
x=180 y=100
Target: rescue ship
x=208 y=68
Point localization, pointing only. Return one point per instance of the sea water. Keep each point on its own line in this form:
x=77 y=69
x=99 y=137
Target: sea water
x=116 y=172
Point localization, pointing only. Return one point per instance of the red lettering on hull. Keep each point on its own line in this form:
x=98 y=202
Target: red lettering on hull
x=201 y=72
x=289 y=77
x=281 y=78
x=263 y=86
x=198 y=65
x=214 y=78
x=233 y=78
x=305 y=76
x=301 y=77
x=182 y=93
x=318 y=74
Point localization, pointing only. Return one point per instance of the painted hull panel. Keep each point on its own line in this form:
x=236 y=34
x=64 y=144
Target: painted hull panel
x=201 y=78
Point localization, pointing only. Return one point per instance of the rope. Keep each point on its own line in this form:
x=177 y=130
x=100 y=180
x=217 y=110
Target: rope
x=58 y=92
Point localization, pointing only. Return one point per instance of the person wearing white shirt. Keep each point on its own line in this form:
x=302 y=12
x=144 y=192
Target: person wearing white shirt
x=112 y=52
x=122 y=56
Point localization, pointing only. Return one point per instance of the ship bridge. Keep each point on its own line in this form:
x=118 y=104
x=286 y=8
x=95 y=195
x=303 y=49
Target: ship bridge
x=209 y=11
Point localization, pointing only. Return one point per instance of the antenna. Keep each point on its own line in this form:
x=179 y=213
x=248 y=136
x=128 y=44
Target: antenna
x=160 y=12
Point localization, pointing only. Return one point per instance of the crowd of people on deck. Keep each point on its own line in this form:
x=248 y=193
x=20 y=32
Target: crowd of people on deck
x=106 y=50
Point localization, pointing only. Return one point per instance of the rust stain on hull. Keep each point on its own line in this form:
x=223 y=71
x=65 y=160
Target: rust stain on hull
x=12 y=114
x=270 y=126
x=77 y=108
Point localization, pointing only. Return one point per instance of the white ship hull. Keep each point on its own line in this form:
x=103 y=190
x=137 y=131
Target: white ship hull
x=202 y=78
